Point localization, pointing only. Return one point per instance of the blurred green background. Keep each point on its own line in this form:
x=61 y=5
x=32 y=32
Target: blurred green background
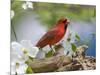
x=49 y=13
x=31 y=20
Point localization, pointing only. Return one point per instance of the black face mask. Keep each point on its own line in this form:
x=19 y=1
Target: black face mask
x=65 y=26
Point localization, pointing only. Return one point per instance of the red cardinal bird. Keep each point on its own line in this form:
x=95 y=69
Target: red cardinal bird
x=54 y=35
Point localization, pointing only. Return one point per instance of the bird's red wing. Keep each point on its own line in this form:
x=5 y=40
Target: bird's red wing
x=49 y=36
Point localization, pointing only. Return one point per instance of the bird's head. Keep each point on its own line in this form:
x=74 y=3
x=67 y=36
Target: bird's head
x=64 y=21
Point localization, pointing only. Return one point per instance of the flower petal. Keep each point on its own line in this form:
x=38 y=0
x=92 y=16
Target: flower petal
x=29 y=4
x=26 y=43
x=17 y=53
x=40 y=54
x=24 y=6
x=22 y=68
x=33 y=52
x=16 y=47
x=13 y=69
x=12 y=14
x=72 y=37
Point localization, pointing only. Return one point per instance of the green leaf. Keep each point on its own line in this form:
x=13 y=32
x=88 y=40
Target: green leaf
x=49 y=54
x=28 y=61
x=69 y=39
x=73 y=47
x=77 y=37
x=29 y=70
x=31 y=58
x=16 y=73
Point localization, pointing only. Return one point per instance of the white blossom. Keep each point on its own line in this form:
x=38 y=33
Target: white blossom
x=12 y=14
x=20 y=53
x=40 y=54
x=67 y=47
x=18 y=68
x=27 y=5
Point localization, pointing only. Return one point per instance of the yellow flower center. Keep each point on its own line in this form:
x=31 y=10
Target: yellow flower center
x=25 y=51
